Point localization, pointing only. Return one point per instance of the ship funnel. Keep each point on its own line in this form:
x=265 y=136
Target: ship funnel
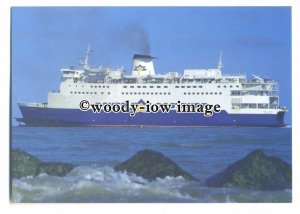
x=143 y=65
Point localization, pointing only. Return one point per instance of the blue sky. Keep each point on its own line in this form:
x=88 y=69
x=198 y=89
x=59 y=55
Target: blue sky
x=254 y=40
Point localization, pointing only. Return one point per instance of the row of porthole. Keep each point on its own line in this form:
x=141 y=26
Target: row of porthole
x=224 y=86
x=202 y=93
x=82 y=92
x=148 y=93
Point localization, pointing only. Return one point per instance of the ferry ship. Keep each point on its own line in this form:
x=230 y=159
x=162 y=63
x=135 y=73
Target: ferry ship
x=243 y=102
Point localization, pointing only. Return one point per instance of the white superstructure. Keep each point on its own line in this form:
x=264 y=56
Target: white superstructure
x=235 y=94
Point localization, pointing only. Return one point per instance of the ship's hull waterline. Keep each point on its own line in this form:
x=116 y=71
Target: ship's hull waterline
x=36 y=116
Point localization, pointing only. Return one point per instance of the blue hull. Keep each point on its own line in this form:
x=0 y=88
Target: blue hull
x=33 y=116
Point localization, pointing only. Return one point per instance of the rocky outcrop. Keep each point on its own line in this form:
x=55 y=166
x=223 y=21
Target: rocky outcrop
x=55 y=169
x=256 y=171
x=24 y=164
x=151 y=164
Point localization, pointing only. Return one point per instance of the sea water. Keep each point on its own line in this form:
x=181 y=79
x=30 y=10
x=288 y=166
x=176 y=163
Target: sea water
x=202 y=152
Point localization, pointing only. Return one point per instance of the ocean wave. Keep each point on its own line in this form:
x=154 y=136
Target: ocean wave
x=193 y=145
x=104 y=184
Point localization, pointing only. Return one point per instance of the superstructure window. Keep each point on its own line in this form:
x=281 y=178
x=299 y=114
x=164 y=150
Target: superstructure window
x=158 y=86
x=262 y=105
x=125 y=86
x=176 y=86
x=194 y=86
x=235 y=93
x=200 y=86
x=188 y=86
x=132 y=86
x=144 y=86
x=165 y=86
x=138 y=86
x=151 y=86
x=182 y=86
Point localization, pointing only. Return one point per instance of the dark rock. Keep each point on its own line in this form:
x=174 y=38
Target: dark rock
x=55 y=169
x=24 y=164
x=256 y=171
x=151 y=165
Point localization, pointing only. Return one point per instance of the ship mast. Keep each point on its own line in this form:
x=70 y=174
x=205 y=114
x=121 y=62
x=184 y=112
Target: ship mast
x=220 y=64
x=84 y=62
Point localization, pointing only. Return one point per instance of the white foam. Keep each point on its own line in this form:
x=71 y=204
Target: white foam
x=86 y=184
x=104 y=184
